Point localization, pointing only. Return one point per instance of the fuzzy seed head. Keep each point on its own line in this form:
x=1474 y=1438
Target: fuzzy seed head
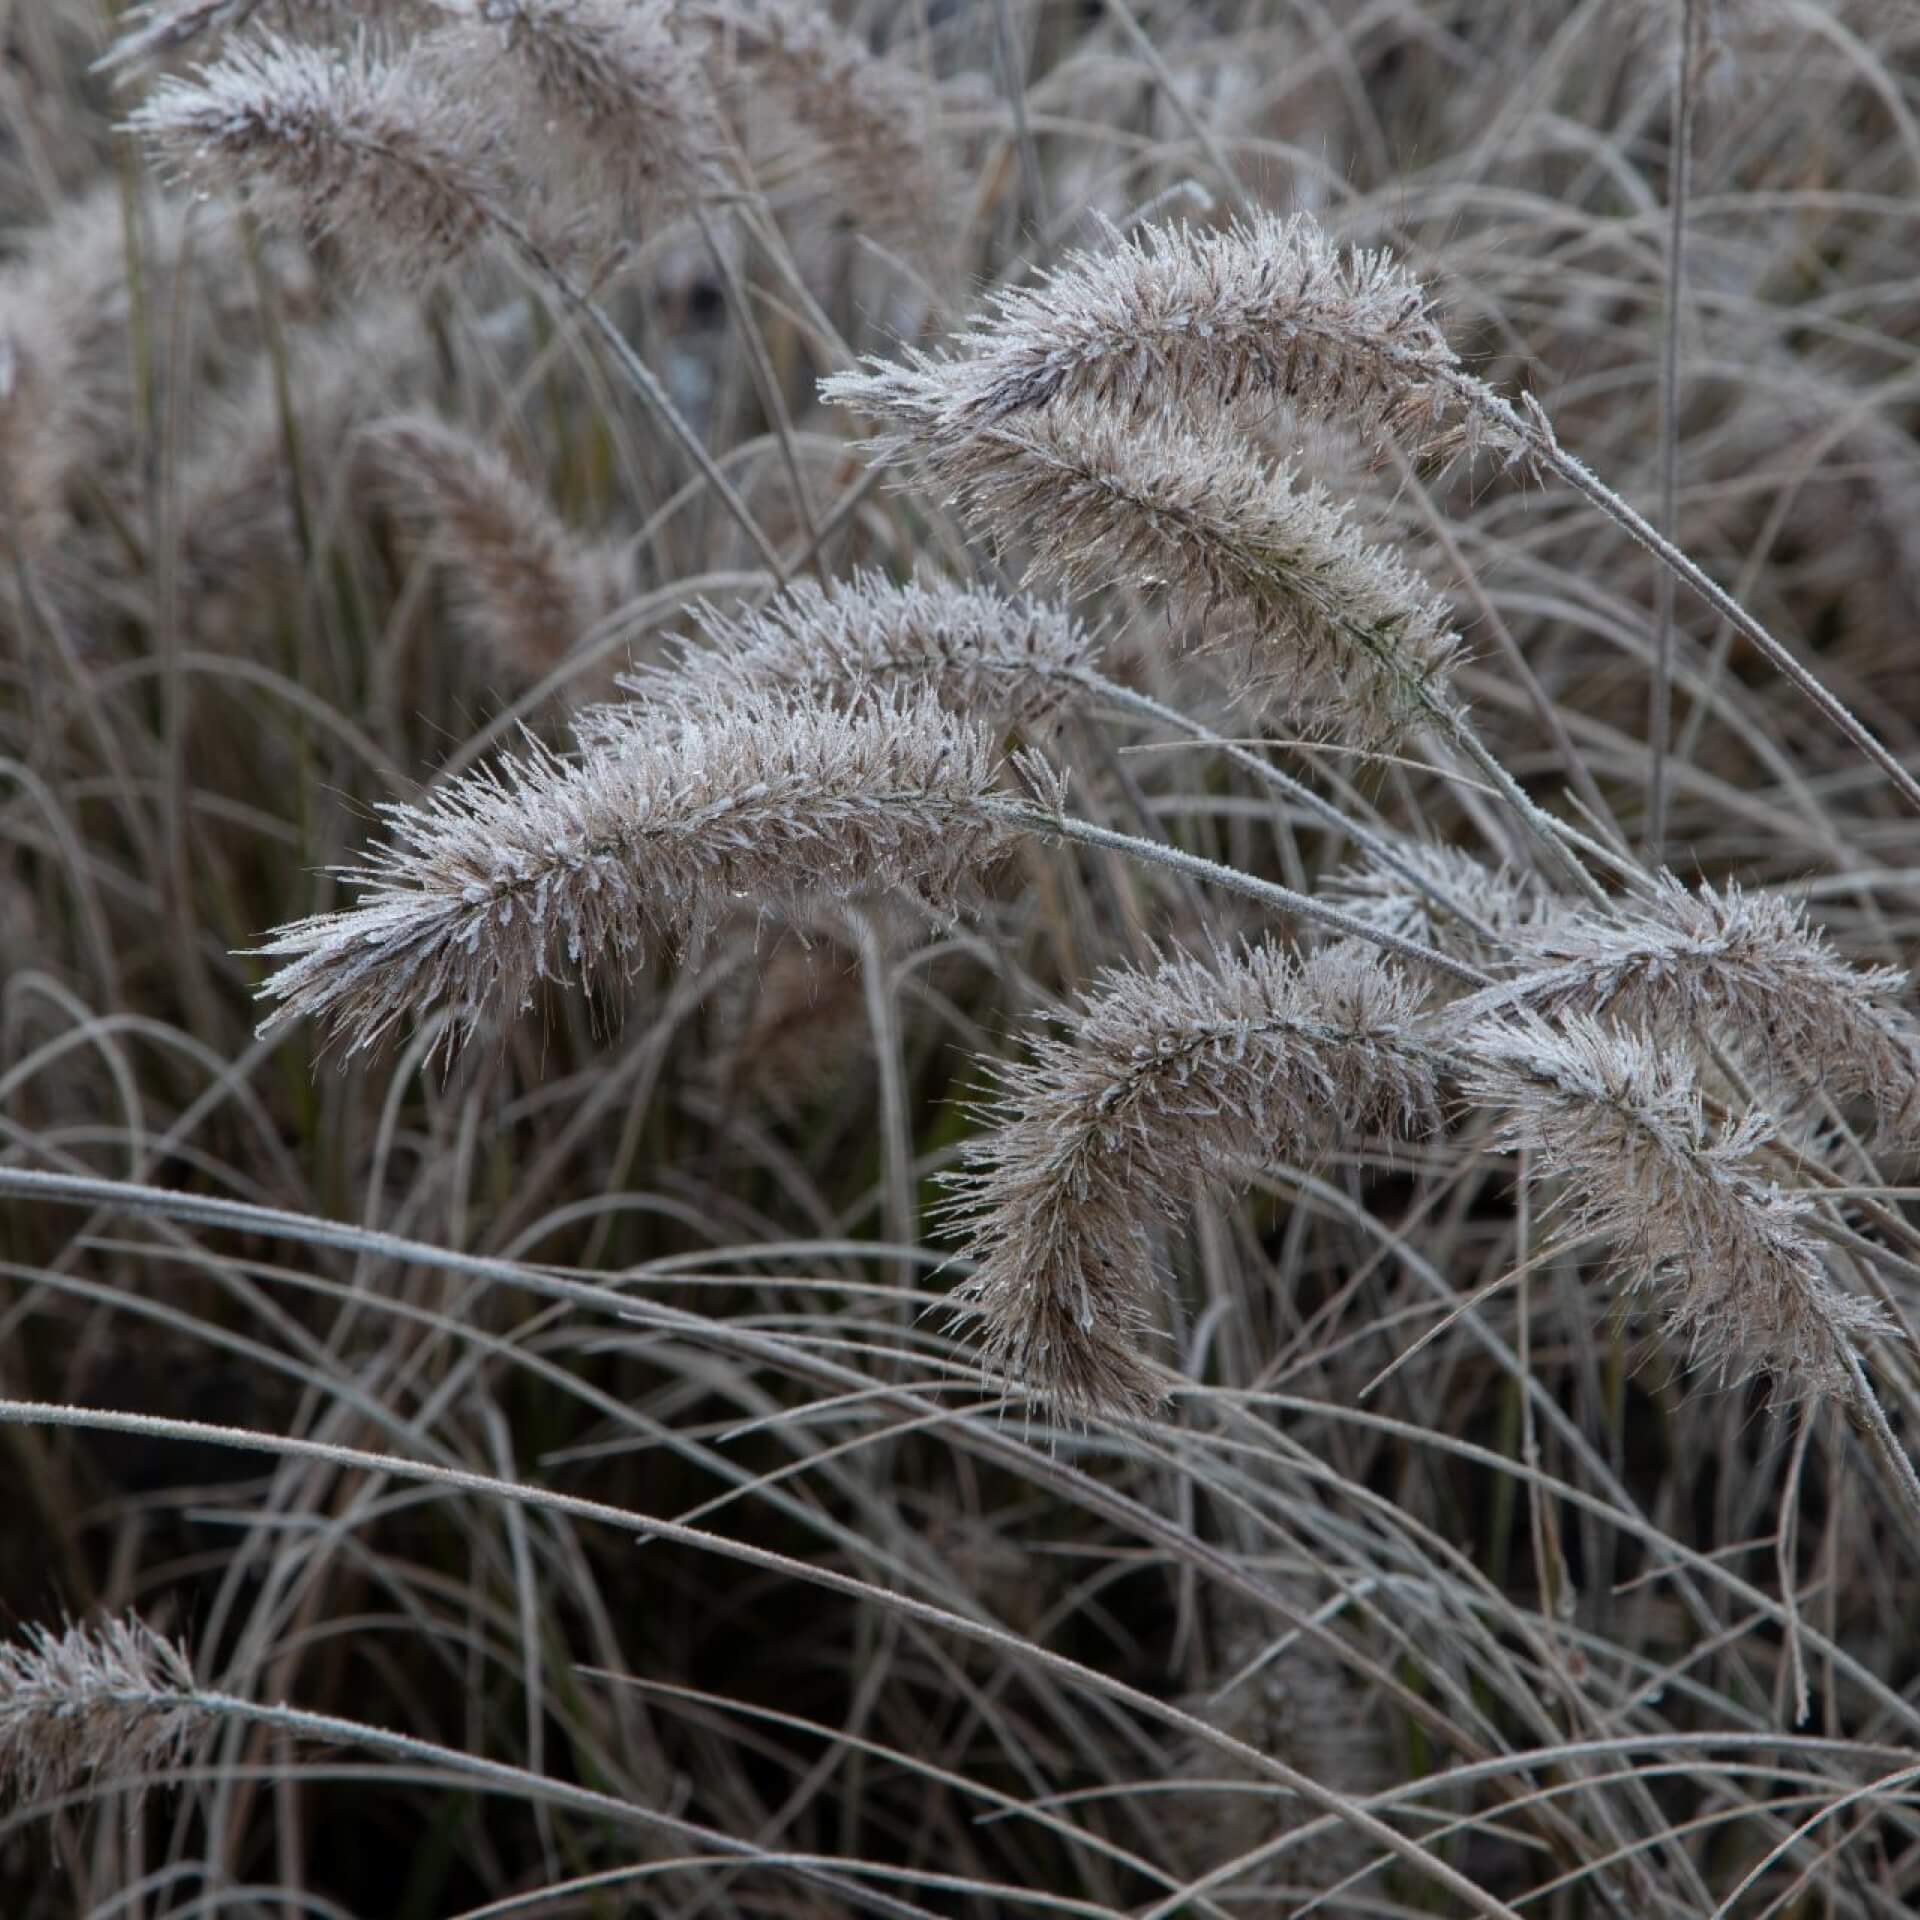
x=525 y=587
x=1189 y=1076
x=1748 y=968
x=1693 y=1220
x=612 y=114
x=1336 y=632
x=103 y=1702
x=1011 y=661
x=541 y=867
x=339 y=141
x=1180 y=319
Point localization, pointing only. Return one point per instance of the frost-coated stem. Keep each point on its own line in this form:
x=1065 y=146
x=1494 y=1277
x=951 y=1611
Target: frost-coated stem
x=1544 y=446
x=1660 y=705
x=765 y=1559
x=1268 y=893
x=1872 y=1424
x=1374 y=845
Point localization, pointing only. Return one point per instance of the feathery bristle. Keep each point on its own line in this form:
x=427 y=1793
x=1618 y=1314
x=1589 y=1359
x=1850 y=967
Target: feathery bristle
x=341 y=141
x=1015 y=661
x=1191 y=1075
x=539 y=867
x=1692 y=1219
x=1337 y=632
x=525 y=587
x=106 y=1701
x=1267 y=311
x=1747 y=968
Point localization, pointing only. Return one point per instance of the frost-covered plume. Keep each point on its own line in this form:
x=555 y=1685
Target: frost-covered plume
x=610 y=111
x=1336 y=631
x=525 y=587
x=1693 y=1220
x=105 y=1702
x=343 y=141
x=1746 y=969
x=1011 y=660
x=540 y=867
x=1191 y=1075
x=1179 y=317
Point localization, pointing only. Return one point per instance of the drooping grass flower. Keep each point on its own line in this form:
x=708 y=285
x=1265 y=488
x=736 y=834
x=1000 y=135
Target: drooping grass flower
x=608 y=108
x=1014 y=661
x=524 y=585
x=539 y=867
x=1336 y=631
x=1197 y=319
x=1746 y=968
x=342 y=141
x=1185 y=1077
x=866 y=121
x=1693 y=1221
x=102 y=1702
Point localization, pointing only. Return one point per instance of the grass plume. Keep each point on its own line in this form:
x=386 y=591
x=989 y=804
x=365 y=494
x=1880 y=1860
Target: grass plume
x=1180 y=1078
x=539 y=867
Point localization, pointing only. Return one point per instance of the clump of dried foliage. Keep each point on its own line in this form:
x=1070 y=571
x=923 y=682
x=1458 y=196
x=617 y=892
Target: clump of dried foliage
x=957 y=959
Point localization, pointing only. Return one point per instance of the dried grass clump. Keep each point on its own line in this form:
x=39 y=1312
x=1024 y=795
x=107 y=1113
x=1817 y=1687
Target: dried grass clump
x=1694 y=1222
x=105 y=1702
x=1188 y=1076
x=1015 y=661
x=1743 y=968
x=1337 y=632
x=610 y=110
x=525 y=587
x=344 y=142
x=539 y=867
x=1197 y=319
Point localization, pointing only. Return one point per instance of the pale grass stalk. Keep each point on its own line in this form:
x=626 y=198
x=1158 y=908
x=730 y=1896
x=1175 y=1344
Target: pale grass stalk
x=963 y=1626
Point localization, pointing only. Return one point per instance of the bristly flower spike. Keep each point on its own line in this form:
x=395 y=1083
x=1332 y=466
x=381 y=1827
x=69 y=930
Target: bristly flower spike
x=105 y=1701
x=1189 y=1076
x=1014 y=660
x=1692 y=1219
x=344 y=142
x=540 y=867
